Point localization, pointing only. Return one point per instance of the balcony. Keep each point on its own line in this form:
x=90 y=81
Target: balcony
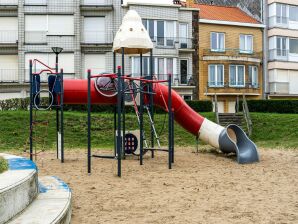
x=278 y=55
x=8 y=37
x=36 y=2
x=278 y=21
x=35 y=37
x=8 y=75
x=173 y=42
x=232 y=53
x=98 y=5
x=279 y=88
x=232 y=85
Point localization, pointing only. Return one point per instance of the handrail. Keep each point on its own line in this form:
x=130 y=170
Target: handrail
x=216 y=109
x=247 y=116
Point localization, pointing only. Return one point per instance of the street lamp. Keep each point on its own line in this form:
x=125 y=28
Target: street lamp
x=57 y=50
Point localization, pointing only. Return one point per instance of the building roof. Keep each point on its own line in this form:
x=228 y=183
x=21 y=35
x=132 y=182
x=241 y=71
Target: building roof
x=224 y=13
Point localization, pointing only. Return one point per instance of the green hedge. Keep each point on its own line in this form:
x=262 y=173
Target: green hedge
x=3 y=165
x=273 y=106
x=22 y=104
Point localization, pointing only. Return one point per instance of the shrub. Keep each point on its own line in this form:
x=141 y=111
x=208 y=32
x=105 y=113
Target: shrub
x=273 y=106
x=3 y=165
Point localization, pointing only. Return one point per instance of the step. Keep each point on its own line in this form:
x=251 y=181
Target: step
x=53 y=204
x=18 y=186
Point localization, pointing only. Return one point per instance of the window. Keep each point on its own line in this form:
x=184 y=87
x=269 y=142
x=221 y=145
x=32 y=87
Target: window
x=149 y=25
x=35 y=28
x=253 y=76
x=237 y=75
x=94 y=30
x=183 y=71
x=216 y=75
x=246 y=43
x=165 y=66
x=183 y=28
x=8 y=29
x=293 y=46
x=293 y=13
x=95 y=62
x=187 y=97
x=135 y=63
x=281 y=14
x=281 y=46
x=217 y=41
x=60 y=25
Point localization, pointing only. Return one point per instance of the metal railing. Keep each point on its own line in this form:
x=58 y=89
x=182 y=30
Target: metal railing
x=93 y=2
x=8 y=36
x=278 y=21
x=8 y=2
x=9 y=75
x=279 y=87
x=36 y=2
x=173 y=42
x=279 y=54
x=246 y=85
x=247 y=116
x=35 y=36
x=232 y=52
x=94 y=37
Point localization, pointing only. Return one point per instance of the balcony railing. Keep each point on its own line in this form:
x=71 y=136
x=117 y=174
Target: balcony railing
x=278 y=54
x=35 y=37
x=8 y=36
x=278 y=21
x=94 y=37
x=232 y=53
x=173 y=42
x=36 y=2
x=8 y=2
x=279 y=87
x=93 y=2
x=247 y=85
x=9 y=75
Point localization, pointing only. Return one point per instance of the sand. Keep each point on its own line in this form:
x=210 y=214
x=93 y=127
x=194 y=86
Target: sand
x=201 y=188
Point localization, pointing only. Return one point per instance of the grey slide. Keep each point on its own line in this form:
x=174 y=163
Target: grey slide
x=234 y=140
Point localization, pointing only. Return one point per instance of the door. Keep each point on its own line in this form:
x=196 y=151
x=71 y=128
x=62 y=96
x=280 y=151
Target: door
x=231 y=108
x=220 y=106
x=183 y=71
x=94 y=30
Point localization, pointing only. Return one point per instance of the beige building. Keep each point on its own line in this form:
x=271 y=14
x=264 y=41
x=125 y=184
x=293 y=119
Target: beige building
x=230 y=56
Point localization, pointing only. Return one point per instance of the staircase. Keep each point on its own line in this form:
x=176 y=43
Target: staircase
x=231 y=118
x=26 y=198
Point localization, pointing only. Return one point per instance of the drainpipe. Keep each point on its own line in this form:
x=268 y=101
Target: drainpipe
x=264 y=11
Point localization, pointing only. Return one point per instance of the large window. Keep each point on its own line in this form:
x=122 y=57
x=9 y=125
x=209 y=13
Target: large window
x=281 y=46
x=216 y=75
x=293 y=13
x=135 y=63
x=162 y=31
x=253 y=76
x=8 y=29
x=165 y=66
x=94 y=30
x=246 y=43
x=281 y=13
x=293 y=46
x=183 y=34
x=217 y=41
x=237 y=75
x=60 y=25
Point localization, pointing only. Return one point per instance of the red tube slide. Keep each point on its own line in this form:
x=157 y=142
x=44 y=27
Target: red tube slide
x=76 y=92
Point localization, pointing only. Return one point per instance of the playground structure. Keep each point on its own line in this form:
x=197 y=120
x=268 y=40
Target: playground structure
x=115 y=88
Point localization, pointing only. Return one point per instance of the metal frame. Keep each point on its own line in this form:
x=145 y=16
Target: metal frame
x=58 y=105
x=119 y=114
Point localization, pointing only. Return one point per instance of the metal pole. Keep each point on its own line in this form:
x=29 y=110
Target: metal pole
x=89 y=122
x=141 y=123
x=170 y=121
x=172 y=134
x=57 y=110
x=31 y=118
x=62 y=116
x=115 y=109
x=123 y=105
x=119 y=105
x=151 y=102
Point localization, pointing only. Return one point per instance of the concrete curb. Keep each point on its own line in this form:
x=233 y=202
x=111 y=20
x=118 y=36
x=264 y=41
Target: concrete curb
x=53 y=204
x=18 y=186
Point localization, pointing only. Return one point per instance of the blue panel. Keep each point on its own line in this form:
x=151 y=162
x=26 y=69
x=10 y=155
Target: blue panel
x=21 y=164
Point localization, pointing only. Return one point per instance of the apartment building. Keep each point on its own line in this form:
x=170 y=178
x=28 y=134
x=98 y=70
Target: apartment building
x=230 y=56
x=283 y=49
x=85 y=30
